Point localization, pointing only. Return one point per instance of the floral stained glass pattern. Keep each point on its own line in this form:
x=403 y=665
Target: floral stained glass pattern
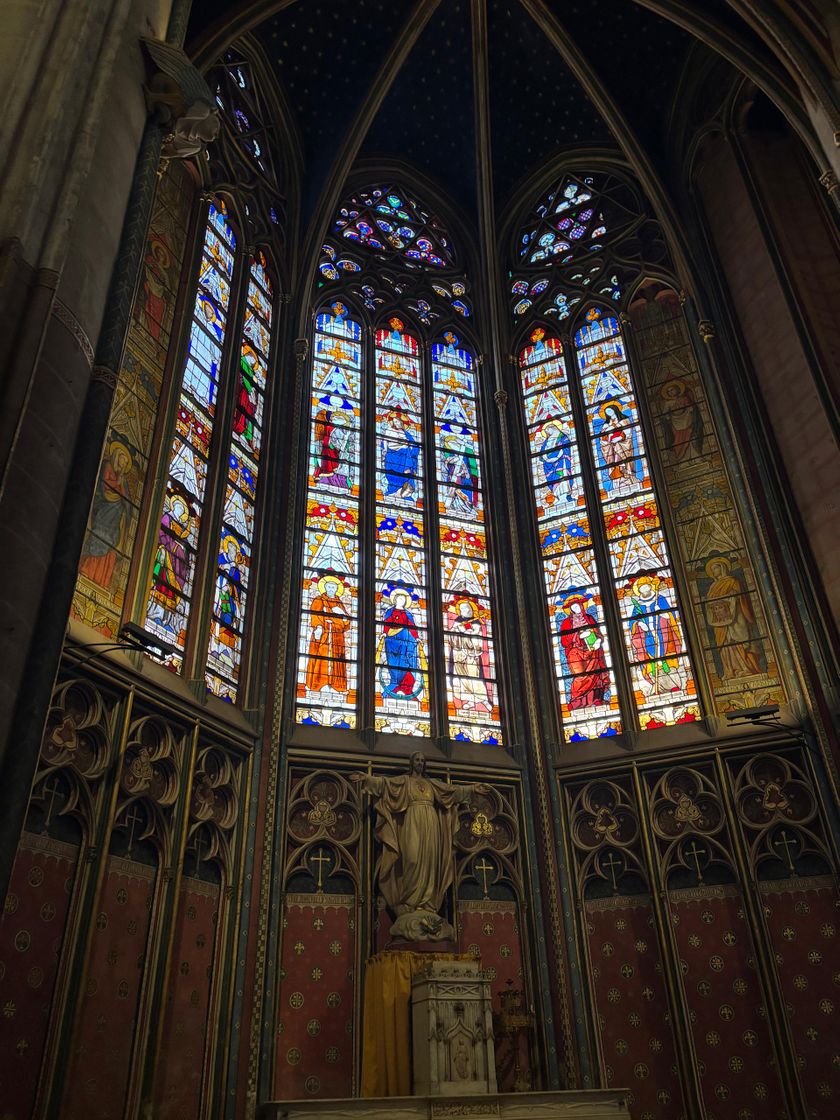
x=579 y=638
x=237 y=533
x=469 y=656
x=173 y=570
x=400 y=594
x=329 y=634
x=652 y=629
x=385 y=220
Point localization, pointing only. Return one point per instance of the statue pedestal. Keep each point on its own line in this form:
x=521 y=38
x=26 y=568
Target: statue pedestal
x=586 y=1104
x=452 y=1030
x=386 y=1049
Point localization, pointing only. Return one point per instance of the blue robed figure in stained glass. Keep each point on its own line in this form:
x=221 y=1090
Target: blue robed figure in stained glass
x=403 y=653
x=400 y=455
x=555 y=453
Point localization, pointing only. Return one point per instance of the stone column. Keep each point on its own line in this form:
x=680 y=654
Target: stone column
x=77 y=115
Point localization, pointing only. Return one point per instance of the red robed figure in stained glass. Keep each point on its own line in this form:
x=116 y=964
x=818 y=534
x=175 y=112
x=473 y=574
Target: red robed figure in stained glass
x=583 y=644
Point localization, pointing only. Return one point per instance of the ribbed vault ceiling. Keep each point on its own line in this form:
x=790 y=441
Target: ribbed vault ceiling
x=326 y=54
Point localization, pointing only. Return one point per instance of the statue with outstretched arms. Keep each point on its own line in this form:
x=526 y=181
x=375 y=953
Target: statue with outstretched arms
x=416 y=821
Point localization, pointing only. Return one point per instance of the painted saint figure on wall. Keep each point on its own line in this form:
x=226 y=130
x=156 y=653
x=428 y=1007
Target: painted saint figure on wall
x=403 y=669
x=682 y=421
x=731 y=619
x=468 y=657
x=109 y=516
x=582 y=640
x=150 y=306
x=326 y=666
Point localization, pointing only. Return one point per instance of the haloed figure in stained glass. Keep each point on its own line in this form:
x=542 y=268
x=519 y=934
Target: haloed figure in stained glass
x=228 y=608
x=616 y=446
x=582 y=640
x=334 y=440
x=400 y=455
x=468 y=657
x=326 y=667
x=170 y=568
x=655 y=638
x=555 y=452
x=460 y=471
x=402 y=674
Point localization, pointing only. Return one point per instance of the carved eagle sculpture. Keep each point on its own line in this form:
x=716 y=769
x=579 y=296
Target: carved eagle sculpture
x=181 y=101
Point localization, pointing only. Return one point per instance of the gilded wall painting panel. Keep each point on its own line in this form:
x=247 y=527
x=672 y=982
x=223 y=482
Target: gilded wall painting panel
x=112 y=525
x=740 y=661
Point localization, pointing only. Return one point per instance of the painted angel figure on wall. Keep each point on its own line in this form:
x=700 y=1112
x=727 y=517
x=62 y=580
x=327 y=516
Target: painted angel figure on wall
x=416 y=822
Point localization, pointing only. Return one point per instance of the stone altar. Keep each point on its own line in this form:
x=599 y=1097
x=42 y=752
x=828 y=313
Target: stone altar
x=453 y=1051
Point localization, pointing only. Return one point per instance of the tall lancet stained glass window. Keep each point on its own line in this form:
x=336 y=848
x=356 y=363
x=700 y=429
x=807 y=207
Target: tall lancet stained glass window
x=617 y=636
x=214 y=460
x=397 y=601
x=173 y=571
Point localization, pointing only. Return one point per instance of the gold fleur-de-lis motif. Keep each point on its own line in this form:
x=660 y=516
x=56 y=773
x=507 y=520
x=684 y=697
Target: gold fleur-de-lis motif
x=481 y=826
x=322 y=814
x=605 y=822
x=774 y=798
x=686 y=810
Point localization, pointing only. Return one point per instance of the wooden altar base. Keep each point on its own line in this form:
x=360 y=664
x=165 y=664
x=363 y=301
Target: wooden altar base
x=586 y=1104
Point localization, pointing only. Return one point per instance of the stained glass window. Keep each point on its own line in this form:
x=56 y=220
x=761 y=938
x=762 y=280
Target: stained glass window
x=239 y=98
x=173 y=571
x=470 y=663
x=579 y=639
x=237 y=531
x=614 y=515
x=329 y=634
x=579 y=242
x=415 y=624
x=208 y=519
x=660 y=672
